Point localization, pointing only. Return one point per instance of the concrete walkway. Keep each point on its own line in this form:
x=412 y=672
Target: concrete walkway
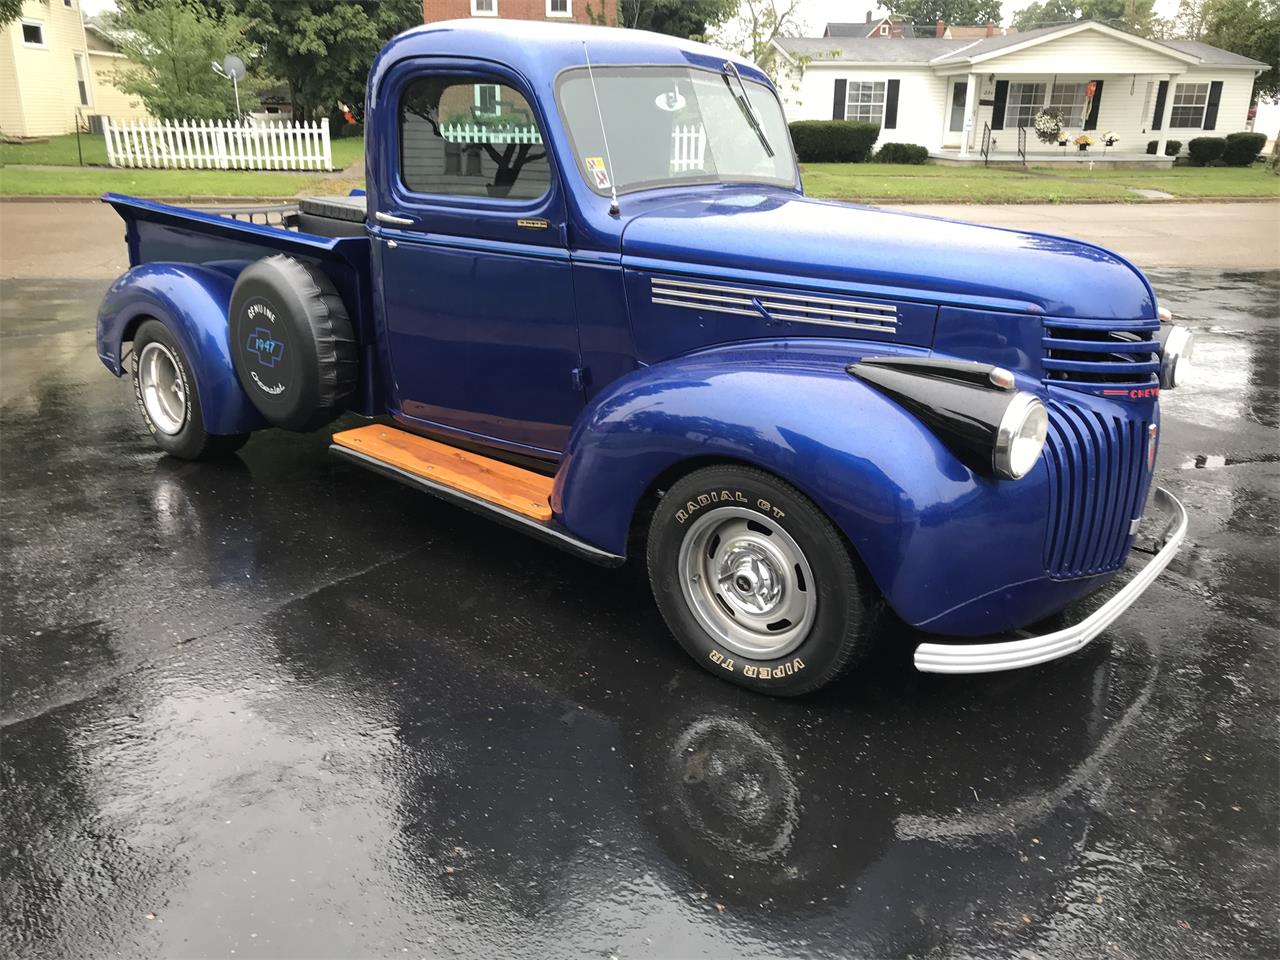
x=86 y=240
x=1228 y=236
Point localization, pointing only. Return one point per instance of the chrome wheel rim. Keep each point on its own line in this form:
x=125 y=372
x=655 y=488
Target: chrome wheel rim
x=747 y=583
x=161 y=386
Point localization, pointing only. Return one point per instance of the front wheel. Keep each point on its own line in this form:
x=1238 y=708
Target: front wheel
x=164 y=387
x=756 y=583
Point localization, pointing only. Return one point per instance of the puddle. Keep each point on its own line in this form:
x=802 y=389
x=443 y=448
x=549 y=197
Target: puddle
x=1214 y=461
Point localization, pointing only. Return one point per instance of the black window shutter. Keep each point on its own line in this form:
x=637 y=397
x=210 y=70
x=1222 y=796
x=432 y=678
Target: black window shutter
x=842 y=100
x=997 y=109
x=1161 y=93
x=891 y=105
x=1211 y=108
x=1091 y=121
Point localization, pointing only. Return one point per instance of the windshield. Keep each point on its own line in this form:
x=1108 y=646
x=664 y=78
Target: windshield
x=673 y=125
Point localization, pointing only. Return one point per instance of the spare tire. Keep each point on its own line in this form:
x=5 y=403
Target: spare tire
x=292 y=343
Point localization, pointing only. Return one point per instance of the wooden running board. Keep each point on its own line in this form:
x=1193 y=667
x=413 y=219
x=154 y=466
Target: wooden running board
x=510 y=487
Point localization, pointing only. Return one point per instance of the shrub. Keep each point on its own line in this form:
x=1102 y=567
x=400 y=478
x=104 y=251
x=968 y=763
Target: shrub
x=902 y=153
x=350 y=130
x=1171 y=147
x=1243 y=148
x=833 y=141
x=1205 y=150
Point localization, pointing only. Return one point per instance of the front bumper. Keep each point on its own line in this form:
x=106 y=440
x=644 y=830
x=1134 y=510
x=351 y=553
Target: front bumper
x=1028 y=651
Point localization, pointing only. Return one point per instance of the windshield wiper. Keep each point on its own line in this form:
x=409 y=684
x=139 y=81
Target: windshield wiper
x=744 y=102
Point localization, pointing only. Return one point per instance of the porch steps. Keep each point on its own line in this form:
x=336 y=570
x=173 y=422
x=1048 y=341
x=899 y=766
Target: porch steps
x=501 y=484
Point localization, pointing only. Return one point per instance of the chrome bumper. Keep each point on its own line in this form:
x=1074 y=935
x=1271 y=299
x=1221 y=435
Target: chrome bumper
x=1012 y=654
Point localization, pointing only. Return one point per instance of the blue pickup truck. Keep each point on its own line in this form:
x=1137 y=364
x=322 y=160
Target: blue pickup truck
x=585 y=295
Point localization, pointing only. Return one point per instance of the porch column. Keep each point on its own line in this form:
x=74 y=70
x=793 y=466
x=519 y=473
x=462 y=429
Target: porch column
x=970 y=113
x=1167 y=113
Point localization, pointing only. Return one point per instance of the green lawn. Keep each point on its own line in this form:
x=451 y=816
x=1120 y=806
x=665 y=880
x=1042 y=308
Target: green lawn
x=91 y=181
x=940 y=184
x=1253 y=181
x=61 y=151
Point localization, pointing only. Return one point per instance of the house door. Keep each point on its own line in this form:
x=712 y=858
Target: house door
x=474 y=270
x=955 y=114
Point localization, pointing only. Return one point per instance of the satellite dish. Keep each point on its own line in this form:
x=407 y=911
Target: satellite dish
x=233 y=66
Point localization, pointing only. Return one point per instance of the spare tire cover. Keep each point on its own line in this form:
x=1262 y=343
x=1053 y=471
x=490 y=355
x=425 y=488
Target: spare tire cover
x=292 y=343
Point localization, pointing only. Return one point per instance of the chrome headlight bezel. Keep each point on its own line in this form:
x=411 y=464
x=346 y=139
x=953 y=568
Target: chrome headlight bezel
x=1176 y=345
x=1025 y=419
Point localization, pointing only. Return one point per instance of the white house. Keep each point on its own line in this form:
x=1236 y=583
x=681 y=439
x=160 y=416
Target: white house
x=963 y=97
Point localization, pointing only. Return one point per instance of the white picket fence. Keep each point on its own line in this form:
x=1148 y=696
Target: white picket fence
x=688 y=144
x=218 y=145
x=476 y=133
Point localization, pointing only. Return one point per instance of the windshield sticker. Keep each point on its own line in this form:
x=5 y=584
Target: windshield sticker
x=599 y=175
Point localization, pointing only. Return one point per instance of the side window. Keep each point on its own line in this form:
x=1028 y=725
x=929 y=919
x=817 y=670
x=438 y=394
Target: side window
x=471 y=139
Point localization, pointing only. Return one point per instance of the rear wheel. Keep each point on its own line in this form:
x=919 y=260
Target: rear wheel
x=756 y=583
x=165 y=391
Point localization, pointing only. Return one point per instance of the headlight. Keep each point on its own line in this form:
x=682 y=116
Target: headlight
x=1020 y=436
x=1176 y=343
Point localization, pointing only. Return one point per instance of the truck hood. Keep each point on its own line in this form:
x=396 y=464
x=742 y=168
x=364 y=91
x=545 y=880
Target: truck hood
x=811 y=242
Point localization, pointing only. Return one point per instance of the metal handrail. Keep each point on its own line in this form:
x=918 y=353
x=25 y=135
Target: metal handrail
x=1022 y=143
x=986 y=143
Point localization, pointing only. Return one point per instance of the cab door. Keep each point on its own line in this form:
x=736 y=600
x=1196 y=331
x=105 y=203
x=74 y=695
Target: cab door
x=472 y=261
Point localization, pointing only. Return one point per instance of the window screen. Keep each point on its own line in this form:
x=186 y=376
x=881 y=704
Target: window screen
x=1067 y=100
x=1025 y=101
x=866 y=102
x=471 y=139
x=1188 y=105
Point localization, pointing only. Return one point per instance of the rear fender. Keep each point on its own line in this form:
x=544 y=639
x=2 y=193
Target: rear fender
x=192 y=302
x=932 y=532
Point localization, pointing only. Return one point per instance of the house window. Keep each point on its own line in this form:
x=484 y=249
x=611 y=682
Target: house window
x=866 y=102
x=559 y=8
x=1025 y=101
x=1189 y=100
x=470 y=140
x=33 y=33
x=488 y=99
x=1067 y=100
x=484 y=8
x=884 y=29
x=82 y=79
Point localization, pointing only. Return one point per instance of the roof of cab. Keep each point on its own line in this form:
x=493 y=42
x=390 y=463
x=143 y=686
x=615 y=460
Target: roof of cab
x=540 y=50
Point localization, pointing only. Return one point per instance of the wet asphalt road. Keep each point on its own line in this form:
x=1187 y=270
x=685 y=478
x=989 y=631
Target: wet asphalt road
x=283 y=708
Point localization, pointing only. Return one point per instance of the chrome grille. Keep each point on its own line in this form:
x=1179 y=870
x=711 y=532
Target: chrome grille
x=1097 y=485
x=1087 y=352
x=776 y=305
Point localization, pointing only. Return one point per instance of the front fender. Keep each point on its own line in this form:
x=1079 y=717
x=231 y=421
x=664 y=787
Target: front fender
x=192 y=301
x=933 y=533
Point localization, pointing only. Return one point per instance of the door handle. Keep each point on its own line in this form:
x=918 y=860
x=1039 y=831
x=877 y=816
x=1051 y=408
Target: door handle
x=393 y=220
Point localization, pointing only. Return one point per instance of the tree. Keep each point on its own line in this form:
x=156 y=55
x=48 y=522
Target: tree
x=925 y=13
x=323 y=48
x=10 y=10
x=1134 y=16
x=1250 y=28
x=172 y=46
x=690 y=19
x=757 y=24
x=1187 y=24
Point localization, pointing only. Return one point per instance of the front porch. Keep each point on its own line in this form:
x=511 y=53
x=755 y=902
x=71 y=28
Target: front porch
x=1094 y=158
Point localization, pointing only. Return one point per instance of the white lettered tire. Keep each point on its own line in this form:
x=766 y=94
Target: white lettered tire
x=757 y=585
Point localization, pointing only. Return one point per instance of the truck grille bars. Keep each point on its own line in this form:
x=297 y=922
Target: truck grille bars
x=1084 y=353
x=1097 y=487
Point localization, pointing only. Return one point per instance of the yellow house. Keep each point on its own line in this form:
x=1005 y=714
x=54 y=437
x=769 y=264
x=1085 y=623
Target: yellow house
x=56 y=70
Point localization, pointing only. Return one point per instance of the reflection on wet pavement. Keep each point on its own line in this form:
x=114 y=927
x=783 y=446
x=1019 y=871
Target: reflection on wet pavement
x=282 y=707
